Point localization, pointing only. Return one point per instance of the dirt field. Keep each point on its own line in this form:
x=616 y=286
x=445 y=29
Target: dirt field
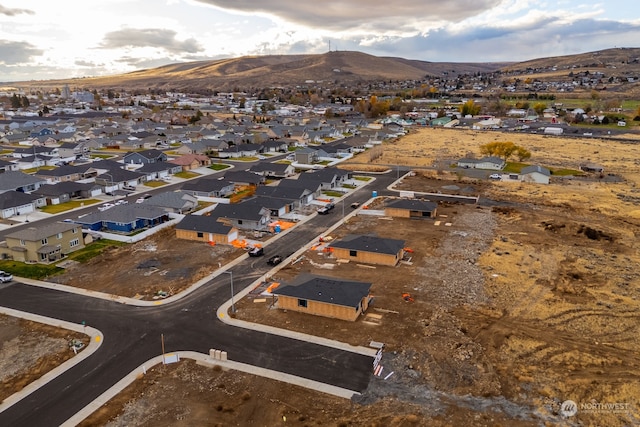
x=160 y=262
x=517 y=306
x=28 y=350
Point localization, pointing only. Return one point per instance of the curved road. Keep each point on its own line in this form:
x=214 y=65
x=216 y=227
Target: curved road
x=132 y=334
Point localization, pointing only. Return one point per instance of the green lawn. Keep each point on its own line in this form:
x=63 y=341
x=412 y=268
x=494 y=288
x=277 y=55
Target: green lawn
x=362 y=178
x=154 y=184
x=67 y=206
x=93 y=249
x=187 y=174
x=219 y=166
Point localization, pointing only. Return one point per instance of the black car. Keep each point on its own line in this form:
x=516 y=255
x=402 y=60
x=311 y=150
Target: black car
x=275 y=260
x=256 y=251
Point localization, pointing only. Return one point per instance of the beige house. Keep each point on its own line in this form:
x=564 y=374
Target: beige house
x=411 y=208
x=44 y=244
x=325 y=296
x=204 y=228
x=368 y=249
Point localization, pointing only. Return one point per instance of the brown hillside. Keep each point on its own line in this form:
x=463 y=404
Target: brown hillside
x=273 y=70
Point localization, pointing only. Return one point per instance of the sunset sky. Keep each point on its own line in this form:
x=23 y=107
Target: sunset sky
x=42 y=39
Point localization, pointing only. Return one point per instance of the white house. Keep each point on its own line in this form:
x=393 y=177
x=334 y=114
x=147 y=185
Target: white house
x=536 y=174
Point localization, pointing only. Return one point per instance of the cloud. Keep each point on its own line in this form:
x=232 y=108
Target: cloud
x=340 y=15
x=150 y=37
x=12 y=52
x=13 y=12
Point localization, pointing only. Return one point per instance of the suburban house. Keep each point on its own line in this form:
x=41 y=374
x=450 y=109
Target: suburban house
x=306 y=155
x=247 y=215
x=273 y=170
x=328 y=178
x=536 y=174
x=117 y=179
x=209 y=187
x=15 y=203
x=204 y=228
x=244 y=178
x=124 y=218
x=173 y=201
x=43 y=244
x=411 y=208
x=159 y=170
x=295 y=196
x=60 y=174
x=6 y=166
x=491 y=162
x=241 y=150
x=191 y=161
x=325 y=296
x=368 y=249
x=19 y=181
x=145 y=156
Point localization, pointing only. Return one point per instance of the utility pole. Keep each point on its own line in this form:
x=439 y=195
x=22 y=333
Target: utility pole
x=233 y=306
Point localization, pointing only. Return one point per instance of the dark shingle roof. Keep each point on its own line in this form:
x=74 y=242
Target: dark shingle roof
x=326 y=289
x=367 y=243
x=205 y=224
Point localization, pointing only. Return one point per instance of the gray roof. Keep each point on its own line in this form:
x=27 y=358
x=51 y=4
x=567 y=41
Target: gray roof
x=42 y=231
x=14 y=179
x=535 y=168
x=326 y=289
x=412 y=204
x=203 y=223
x=172 y=199
x=12 y=199
x=368 y=243
x=125 y=214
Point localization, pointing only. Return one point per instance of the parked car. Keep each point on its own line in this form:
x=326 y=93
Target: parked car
x=257 y=251
x=495 y=176
x=275 y=260
x=5 y=277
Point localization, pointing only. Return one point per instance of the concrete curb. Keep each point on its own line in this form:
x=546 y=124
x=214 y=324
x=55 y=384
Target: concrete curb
x=208 y=361
x=97 y=338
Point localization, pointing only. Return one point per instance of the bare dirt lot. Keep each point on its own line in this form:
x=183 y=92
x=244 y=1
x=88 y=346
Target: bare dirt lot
x=520 y=304
x=28 y=350
x=158 y=263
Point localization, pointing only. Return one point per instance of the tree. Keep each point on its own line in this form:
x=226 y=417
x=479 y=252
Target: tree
x=522 y=154
x=499 y=149
x=15 y=101
x=470 y=108
x=539 y=107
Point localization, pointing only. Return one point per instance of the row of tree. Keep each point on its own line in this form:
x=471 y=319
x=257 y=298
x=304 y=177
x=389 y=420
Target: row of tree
x=505 y=150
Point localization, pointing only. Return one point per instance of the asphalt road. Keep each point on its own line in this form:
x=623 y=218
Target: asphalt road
x=132 y=335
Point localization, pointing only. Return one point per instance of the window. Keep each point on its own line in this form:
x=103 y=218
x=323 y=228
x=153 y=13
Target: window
x=59 y=236
x=240 y=221
x=45 y=241
x=200 y=234
x=353 y=253
x=22 y=242
x=302 y=303
x=74 y=231
x=43 y=257
x=74 y=242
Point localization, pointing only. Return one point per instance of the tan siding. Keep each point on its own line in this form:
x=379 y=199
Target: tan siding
x=206 y=237
x=319 y=308
x=367 y=257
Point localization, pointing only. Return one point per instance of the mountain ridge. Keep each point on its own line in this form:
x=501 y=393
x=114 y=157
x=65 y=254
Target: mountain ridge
x=335 y=67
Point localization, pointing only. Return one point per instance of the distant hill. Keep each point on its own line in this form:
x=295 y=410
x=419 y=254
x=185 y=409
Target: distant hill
x=274 y=70
x=340 y=67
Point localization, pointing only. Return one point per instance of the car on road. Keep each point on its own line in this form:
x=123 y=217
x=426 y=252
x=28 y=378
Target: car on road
x=355 y=205
x=5 y=277
x=326 y=209
x=274 y=260
x=256 y=251
x=495 y=176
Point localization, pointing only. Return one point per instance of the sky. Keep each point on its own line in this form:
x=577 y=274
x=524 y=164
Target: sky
x=49 y=39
